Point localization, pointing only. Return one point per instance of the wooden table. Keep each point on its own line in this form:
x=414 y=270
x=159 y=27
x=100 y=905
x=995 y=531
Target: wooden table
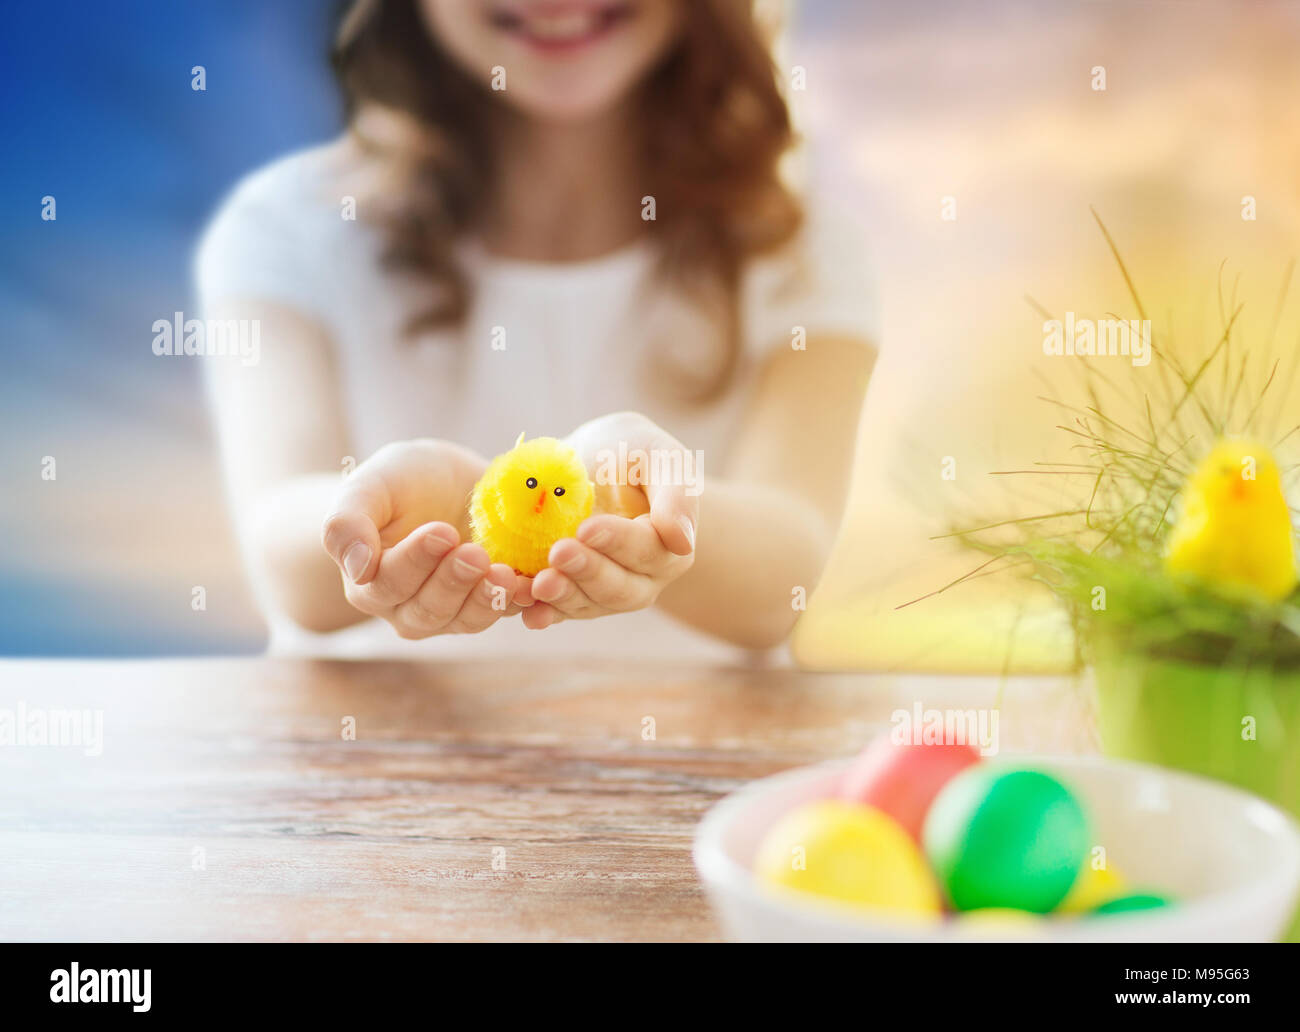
x=477 y=801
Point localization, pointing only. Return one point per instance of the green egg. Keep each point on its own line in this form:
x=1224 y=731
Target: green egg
x=1137 y=901
x=1005 y=838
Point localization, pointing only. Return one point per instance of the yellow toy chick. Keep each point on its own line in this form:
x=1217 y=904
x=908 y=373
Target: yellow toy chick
x=529 y=498
x=1234 y=531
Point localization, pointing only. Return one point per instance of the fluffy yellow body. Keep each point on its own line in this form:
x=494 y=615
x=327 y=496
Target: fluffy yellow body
x=1234 y=532
x=527 y=499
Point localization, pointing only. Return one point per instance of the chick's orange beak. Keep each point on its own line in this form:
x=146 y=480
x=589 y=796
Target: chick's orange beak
x=1240 y=489
x=541 y=500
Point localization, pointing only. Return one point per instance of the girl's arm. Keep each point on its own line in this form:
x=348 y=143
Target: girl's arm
x=773 y=515
x=767 y=522
x=282 y=443
x=392 y=528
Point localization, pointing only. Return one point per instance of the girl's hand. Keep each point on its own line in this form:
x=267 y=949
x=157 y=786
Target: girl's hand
x=618 y=564
x=396 y=533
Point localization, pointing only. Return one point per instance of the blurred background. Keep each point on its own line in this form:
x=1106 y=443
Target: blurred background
x=978 y=109
x=100 y=115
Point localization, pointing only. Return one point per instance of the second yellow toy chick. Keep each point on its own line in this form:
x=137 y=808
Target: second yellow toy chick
x=527 y=499
x=1234 y=530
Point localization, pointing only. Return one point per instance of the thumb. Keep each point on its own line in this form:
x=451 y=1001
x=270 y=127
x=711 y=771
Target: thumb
x=351 y=532
x=672 y=486
x=674 y=515
x=628 y=454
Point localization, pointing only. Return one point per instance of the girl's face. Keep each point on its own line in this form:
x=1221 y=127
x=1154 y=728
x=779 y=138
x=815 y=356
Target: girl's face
x=555 y=59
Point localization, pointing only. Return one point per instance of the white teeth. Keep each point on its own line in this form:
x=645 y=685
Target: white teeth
x=572 y=25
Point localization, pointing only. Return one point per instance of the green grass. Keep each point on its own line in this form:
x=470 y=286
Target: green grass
x=1136 y=438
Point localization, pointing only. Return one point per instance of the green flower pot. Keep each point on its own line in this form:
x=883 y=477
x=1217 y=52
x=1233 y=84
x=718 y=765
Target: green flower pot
x=1237 y=724
x=1240 y=724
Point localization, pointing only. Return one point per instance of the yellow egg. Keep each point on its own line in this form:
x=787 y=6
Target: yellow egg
x=999 y=915
x=849 y=853
x=1092 y=888
x=998 y=923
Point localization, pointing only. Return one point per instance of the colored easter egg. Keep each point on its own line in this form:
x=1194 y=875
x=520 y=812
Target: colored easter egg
x=1092 y=888
x=994 y=923
x=902 y=780
x=1130 y=903
x=1005 y=838
x=848 y=853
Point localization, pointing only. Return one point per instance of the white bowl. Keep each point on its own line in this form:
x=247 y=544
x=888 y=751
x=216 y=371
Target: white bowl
x=1231 y=860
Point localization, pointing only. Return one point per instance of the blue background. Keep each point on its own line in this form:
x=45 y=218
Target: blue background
x=99 y=113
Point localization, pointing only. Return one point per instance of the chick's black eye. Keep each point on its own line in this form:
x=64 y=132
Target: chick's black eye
x=559 y=492
x=532 y=482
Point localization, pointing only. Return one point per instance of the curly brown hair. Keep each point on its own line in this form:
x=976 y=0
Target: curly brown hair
x=715 y=126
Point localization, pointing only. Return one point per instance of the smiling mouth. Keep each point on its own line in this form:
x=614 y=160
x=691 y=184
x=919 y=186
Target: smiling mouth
x=561 y=26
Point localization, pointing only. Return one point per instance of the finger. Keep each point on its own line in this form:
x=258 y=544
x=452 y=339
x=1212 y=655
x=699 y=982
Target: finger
x=667 y=472
x=541 y=616
x=441 y=597
x=408 y=564
x=674 y=515
x=487 y=602
x=620 y=499
x=350 y=533
x=523 y=590
x=559 y=592
x=673 y=490
x=633 y=544
x=552 y=587
x=603 y=581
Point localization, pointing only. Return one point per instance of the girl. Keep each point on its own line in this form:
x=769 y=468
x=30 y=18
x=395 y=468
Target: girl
x=551 y=216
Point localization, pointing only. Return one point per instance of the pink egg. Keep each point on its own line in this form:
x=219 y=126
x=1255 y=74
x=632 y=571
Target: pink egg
x=902 y=780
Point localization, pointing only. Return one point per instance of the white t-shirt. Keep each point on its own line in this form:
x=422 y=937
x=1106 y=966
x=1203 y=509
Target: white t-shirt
x=575 y=336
